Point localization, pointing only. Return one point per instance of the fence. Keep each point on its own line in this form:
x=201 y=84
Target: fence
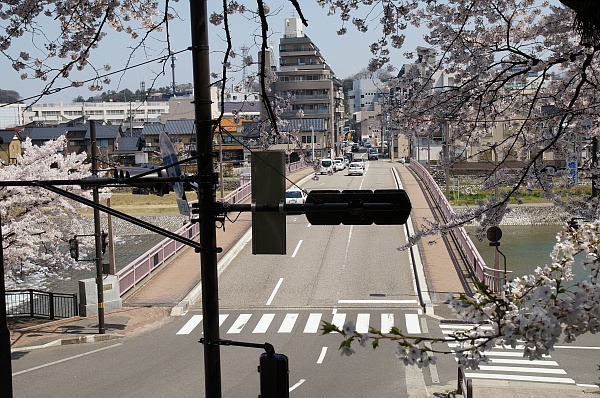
x=493 y=278
x=141 y=267
x=30 y=302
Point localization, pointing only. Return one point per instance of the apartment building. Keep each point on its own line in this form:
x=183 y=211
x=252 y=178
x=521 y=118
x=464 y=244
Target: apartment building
x=54 y=113
x=308 y=82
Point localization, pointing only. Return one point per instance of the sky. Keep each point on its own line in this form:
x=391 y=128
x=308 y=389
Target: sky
x=346 y=54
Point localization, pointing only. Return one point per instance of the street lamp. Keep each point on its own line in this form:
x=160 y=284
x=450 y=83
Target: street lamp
x=312 y=141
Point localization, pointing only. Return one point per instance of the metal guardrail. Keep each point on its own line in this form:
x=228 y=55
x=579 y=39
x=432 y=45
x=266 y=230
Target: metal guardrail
x=143 y=266
x=494 y=278
x=30 y=302
x=465 y=385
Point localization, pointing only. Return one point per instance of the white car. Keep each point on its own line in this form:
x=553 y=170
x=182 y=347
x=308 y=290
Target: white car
x=295 y=196
x=356 y=169
x=339 y=164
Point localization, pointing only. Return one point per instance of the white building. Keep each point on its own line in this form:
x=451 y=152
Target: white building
x=364 y=94
x=11 y=115
x=109 y=112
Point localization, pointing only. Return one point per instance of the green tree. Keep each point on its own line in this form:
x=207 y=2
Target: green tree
x=8 y=96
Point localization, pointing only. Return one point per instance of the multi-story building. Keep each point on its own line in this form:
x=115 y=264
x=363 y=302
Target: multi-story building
x=11 y=115
x=309 y=84
x=364 y=95
x=54 y=113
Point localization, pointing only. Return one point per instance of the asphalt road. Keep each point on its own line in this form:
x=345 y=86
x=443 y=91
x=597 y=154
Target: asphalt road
x=333 y=273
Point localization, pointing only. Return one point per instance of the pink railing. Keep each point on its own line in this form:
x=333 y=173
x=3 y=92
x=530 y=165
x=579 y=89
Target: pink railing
x=142 y=266
x=493 y=278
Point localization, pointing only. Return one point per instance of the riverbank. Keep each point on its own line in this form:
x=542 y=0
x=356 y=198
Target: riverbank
x=531 y=214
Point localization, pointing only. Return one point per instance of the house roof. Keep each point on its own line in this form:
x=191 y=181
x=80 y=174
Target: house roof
x=47 y=133
x=104 y=131
x=7 y=136
x=303 y=125
x=153 y=129
x=128 y=144
x=182 y=126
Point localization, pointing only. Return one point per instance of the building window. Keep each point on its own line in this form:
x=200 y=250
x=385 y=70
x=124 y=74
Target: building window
x=307 y=139
x=301 y=61
x=297 y=47
x=102 y=143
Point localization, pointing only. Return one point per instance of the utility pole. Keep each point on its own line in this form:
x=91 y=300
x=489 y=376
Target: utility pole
x=97 y=231
x=5 y=353
x=206 y=197
x=594 y=167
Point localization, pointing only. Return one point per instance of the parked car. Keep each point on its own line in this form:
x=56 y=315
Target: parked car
x=356 y=169
x=373 y=154
x=354 y=147
x=367 y=145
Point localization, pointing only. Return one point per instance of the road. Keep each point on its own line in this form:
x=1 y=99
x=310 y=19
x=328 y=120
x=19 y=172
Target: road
x=333 y=273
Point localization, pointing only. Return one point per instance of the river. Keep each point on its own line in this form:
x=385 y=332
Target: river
x=526 y=247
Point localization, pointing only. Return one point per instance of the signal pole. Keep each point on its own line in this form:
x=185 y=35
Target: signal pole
x=206 y=197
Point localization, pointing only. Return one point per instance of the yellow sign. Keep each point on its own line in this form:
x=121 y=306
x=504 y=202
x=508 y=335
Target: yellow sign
x=107 y=287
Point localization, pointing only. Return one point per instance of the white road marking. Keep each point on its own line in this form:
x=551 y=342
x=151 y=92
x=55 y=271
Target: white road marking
x=542 y=379
x=239 y=323
x=362 y=323
x=577 y=347
x=537 y=362
x=65 y=359
x=387 y=322
x=338 y=320
x=521 y=369
x=292 y=388
x=313 y=323
x=377 y=302
x=274 y=291
x=412 y=324
x=288 y=323
x=297 y=247
x=190 y=324
x=264 y=323
x=322 y=355
x=222 y=318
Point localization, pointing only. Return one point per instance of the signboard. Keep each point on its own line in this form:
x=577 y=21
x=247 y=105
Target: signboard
x=167 y=152
x=572 y=168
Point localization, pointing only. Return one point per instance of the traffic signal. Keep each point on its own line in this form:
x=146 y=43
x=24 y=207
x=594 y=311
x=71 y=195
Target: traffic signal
x=359 y=207
x=274 y=376
x=104 y=236
x=147 y=181
x=74 y=248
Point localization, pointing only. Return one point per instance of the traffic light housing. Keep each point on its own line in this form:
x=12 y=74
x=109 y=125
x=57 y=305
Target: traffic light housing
x=104 y=240
x=359 y=207
x=147 y=181
x=74 y=248
x=274 y=376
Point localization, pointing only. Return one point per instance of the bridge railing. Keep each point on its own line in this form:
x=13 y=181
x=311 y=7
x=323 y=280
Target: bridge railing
x=493 y=278
x=143 y=266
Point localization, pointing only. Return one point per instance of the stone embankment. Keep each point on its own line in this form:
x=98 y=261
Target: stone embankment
x=171 y=222
x=540 y=214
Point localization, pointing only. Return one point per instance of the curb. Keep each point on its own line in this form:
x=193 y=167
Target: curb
x=94 y=338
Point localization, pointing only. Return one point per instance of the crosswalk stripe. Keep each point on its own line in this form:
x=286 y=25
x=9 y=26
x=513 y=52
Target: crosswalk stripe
x=338 y=320
x=536 y=362
x=412 y=324
x=313 y=323
x=507 y=354
x=521 y=369
x=362 y=323
x=563 y=380
x=387 y=321
x=264 y=323
x=288 y=323
x=222 y=318
x=190 y=325
x=239 y=323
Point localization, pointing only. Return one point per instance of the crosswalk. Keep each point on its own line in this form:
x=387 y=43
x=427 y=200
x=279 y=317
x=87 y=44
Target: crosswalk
x=260 y=323
x=508 y=364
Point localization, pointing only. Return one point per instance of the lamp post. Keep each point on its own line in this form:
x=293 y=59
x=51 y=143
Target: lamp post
x=312 y=141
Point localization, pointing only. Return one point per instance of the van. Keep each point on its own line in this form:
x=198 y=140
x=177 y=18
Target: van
x=325 y=166
x=373 y=154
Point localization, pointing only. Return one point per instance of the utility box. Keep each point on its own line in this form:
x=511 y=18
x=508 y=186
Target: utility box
x=88 y=295
x=268 y=187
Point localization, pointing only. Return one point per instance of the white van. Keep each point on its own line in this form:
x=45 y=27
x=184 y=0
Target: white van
x=325 y=166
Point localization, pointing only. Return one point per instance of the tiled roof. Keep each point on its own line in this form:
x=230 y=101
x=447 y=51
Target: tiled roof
x=106 y=131
x=47 y=133
x=128 y=144
x=7 y=135
x=182 y=126
x=153 y=129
